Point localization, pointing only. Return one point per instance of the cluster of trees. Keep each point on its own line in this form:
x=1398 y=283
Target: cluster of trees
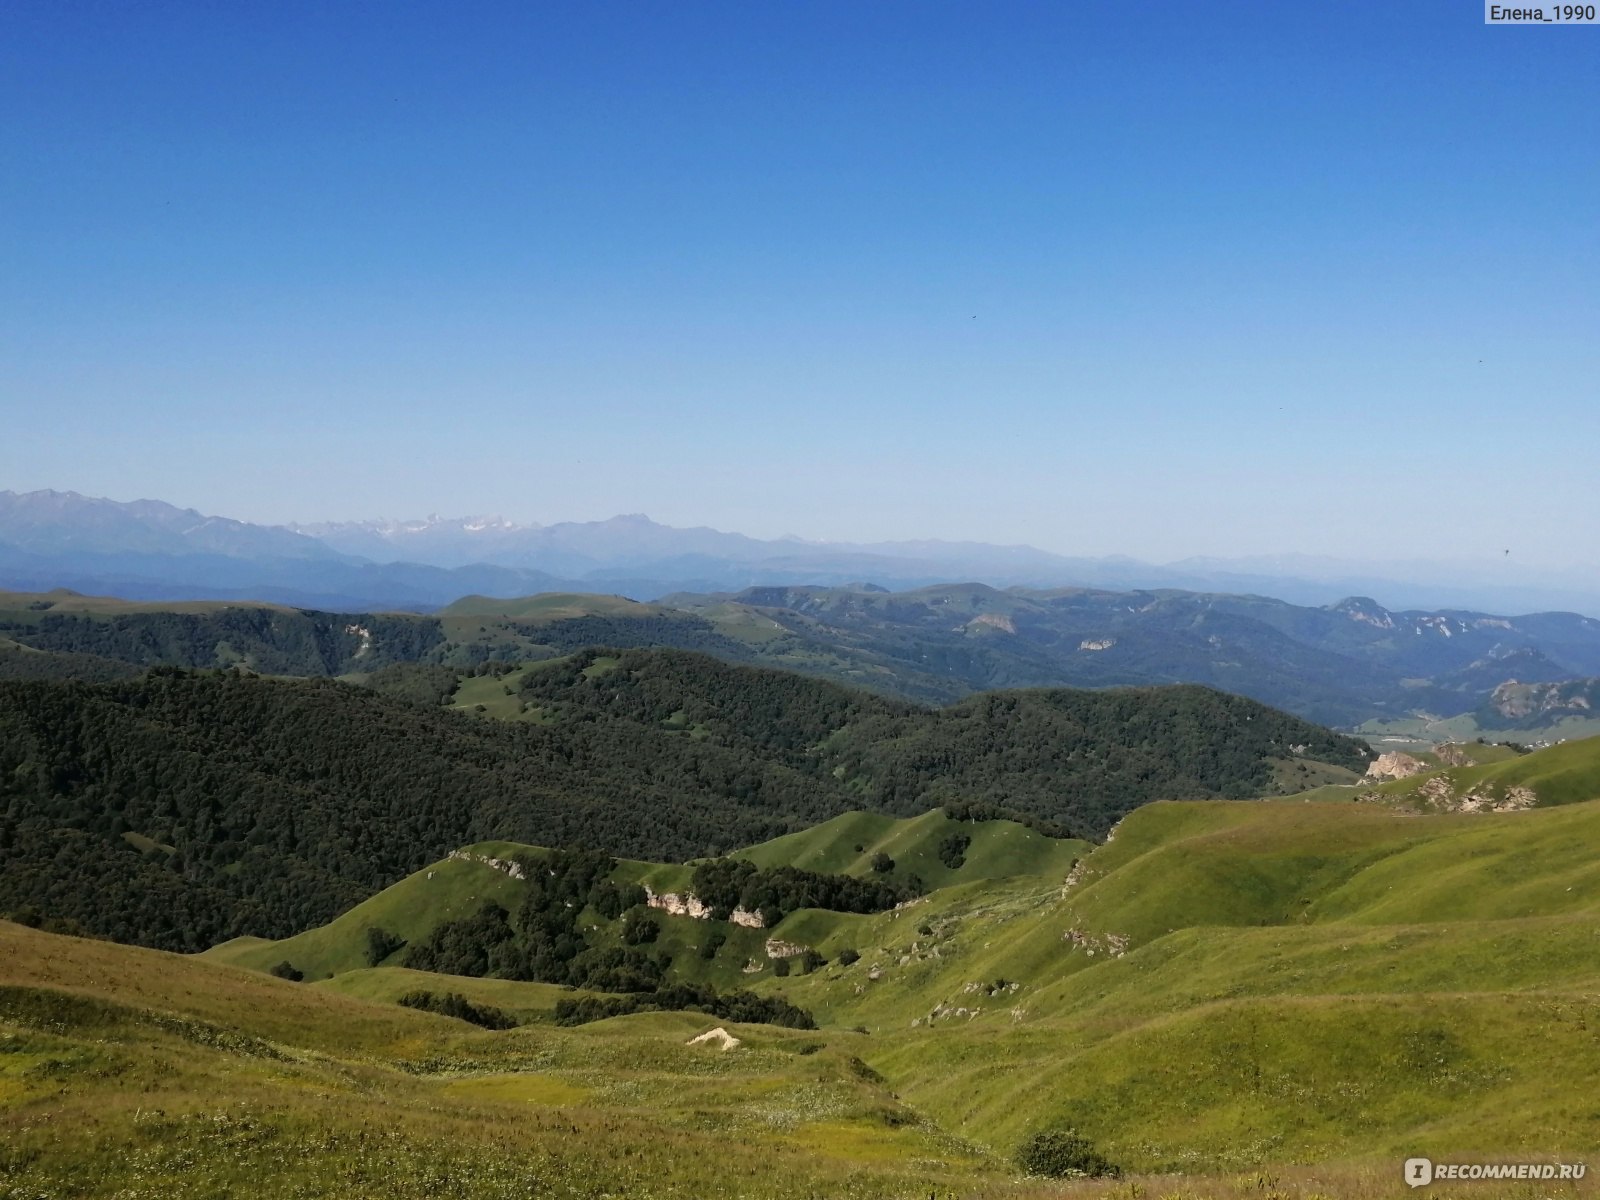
x=1078 y=758
x=545 y=941
x=976 y=811
x=274 y=641
x=740 y=1006
x=454 y=1004
x=24 y=662
x=677 y=631
x=728 y=883
x=181 y=808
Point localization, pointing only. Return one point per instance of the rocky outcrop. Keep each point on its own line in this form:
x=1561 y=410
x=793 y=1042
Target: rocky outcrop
x=778 y=948
x=512 y=869
x=678 y=905
x=718 y=1037
x=1112 y=945
x=1440 y=794
x=992 y=621
x=687 y=904
x=1394 y=765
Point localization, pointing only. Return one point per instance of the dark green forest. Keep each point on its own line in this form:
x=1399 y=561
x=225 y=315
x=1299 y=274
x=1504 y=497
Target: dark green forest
x=182 y=808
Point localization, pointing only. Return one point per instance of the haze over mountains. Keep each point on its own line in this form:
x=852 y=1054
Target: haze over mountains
x=148 y=549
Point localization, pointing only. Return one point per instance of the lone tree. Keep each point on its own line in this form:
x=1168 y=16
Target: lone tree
x=381 y=944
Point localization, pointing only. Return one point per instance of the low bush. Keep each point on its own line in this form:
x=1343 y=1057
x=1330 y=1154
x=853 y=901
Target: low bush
x=1063 y=1154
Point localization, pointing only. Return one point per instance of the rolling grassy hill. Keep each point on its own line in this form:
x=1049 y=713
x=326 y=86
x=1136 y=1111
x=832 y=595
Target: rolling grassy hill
x=138 y=1073
x=1301 y=991
x=1223 y=985
x=848 y=843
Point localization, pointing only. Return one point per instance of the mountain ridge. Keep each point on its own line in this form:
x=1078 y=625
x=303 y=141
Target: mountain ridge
x=156 y=550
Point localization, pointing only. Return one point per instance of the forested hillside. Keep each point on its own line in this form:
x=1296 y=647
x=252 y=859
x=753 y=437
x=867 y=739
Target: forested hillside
x=1344 y=664
x=179 y=808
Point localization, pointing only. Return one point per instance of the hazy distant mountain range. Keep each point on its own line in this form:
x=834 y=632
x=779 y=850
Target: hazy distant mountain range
x=926 y=620
x=148 y=549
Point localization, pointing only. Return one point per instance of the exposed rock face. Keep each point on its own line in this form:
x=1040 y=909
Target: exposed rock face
x=993 y=621
x=1440 y=794
x=684 y=905
x=1453 y=756
x=499 y=864
x=1112 y=945
x=689 y=905
x=719 y=1037
x=1394 y=765
x=778 y=948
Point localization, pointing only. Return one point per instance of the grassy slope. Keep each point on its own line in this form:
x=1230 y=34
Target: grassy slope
x=527 y=1002
x=449 y=889
x=454 y=888
x=135 y=1073
x=1338 y=979
x=1304 y=981
x=997 y=849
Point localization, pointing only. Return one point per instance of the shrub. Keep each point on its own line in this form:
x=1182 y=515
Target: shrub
x=638 y=929
x=848 y=956
x=287 y=970
x=713 y=943
x=780 y=967
x=882 y=863
x=953 y=850
x=1063 y=1153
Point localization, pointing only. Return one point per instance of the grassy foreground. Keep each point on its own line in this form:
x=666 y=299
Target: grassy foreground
x=1229 y=999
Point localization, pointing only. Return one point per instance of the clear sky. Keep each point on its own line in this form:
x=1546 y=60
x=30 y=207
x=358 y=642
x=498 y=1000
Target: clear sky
x=1157 y=279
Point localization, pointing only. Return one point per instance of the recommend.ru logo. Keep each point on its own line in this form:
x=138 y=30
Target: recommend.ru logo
x=1419 y=1172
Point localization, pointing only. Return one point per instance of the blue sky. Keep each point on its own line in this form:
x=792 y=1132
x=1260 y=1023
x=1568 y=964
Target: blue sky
x=1153 y=279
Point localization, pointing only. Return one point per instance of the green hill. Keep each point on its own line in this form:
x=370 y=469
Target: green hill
x=129 y=1072
x=848 y=843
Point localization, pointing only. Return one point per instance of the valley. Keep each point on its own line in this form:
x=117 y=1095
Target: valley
x=1273 y=997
